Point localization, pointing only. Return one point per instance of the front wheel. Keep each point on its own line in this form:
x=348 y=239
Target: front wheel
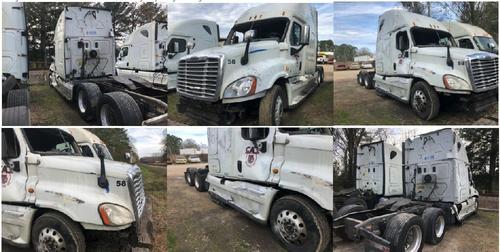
x=56 y=232
x=424 y=101
x=299 y=224
x=271 y=107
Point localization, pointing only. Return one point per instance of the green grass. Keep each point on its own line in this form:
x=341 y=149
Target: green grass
x=171 y=240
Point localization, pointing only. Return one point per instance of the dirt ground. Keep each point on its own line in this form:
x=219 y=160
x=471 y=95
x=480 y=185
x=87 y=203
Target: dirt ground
x=314 y=110
x=195 y=223
x=355 y=105
x=478 y=233
x=154 y=185
x=50 y=108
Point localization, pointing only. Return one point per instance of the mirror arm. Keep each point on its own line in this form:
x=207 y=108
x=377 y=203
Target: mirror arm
x=102 y=180
x=244 y=59
x=295 y=51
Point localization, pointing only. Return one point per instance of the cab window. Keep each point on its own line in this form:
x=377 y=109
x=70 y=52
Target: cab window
x=402 y=41
x=465 y=43
x=180 y=42
x=86 y=151
x=124 y=52
x=51 y=142
x=13 y=149
x=295 y=34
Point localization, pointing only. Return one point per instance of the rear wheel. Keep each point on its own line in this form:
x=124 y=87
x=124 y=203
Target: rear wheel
x=189 y=176
x=347 y=233
x=18 y=97
x=87 y=97
x=360 y=79
x=56 y=232
x=299 y=224
x=199 y=182
x=405 y=232
x=321 y=75
x=424 y=101
x=8 y=85
x=16 y=116
x=434 y=224
x=118 y=108
x=368 y=81
x=356 y=201
x=272 y=106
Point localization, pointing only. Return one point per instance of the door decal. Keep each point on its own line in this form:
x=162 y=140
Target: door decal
x=251 y=155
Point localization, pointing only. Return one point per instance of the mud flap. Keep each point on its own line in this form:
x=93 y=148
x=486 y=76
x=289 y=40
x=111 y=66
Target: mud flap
x=143 y=236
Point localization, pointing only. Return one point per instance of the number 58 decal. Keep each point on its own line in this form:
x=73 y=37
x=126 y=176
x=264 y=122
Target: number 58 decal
x=121 y=183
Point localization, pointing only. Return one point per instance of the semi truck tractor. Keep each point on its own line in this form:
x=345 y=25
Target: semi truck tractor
x=52 y=196
x=266 y=65
x=15 y=93
x=378 y=175
x=152 y=53
x=418 y=62
x=281 y=177
x=471 y=37
x=438 y=191
x=83 y=72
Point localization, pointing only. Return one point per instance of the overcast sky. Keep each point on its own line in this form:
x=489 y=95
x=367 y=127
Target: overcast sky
x=147 y=141
x=199 y=134
x=225 y=15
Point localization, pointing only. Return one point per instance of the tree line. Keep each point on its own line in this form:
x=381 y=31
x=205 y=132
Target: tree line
x=41 y=19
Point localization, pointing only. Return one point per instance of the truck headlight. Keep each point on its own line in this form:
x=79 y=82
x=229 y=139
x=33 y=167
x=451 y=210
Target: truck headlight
x=242 y=87
x=115 y=215
x=453 y=82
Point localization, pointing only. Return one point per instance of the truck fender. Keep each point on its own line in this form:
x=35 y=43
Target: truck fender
x=282 y=79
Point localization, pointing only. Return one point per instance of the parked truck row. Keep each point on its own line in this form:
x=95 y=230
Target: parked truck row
x=405 y=198
x=281 y=177
x=45 y=171
x=418 y=62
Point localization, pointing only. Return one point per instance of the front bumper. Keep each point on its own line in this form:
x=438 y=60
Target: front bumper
x=212 y=113
x=477 y=102
x=141 y=235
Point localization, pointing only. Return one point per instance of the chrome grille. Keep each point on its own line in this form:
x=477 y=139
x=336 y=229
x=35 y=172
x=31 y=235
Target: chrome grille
x=484 y=73
x=198 y=77
x=136 y=187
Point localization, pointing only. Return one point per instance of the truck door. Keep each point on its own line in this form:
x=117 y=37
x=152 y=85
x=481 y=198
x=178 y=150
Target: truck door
x=254 y=153
x=14 y=174
x=401 y=53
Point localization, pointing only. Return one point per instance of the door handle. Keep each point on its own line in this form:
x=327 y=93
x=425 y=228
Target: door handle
x=239 y=166
x=394 y=66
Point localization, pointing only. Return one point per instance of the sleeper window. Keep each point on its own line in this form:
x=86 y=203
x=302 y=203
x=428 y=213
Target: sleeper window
x=466 y=43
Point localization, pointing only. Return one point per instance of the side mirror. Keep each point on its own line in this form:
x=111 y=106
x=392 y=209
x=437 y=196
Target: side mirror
x=249 y=35
x=5 y=153
x=100 y=152
x=254 y=134
x=128 y=157
x=176 y=47
x=190 y=45
x=491 y=45
x=235 y=40
x=304 y=38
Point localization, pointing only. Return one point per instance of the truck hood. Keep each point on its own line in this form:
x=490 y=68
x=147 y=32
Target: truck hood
x=80 y=164
x=455 y=52
x=236 y=51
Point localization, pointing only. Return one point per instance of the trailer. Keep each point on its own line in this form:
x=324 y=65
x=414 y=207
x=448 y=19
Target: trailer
x=53 y=197
x=471 y=37
x=283 y=177
x=438 y=191
x=419 y=63
x=272 y=68
x=83 y=72
x=152 y=52
x=15 y=92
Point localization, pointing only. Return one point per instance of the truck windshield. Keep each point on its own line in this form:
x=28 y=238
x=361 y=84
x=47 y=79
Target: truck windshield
x=307 y=131
x=51 y=142
x=486 y=44
x=268 y=29
x=425 y=37
x=107 y=154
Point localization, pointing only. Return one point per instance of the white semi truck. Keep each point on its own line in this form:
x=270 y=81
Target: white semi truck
x=471 y=37
x=438 y=190
x=418 y=63
x=15 y=93
x=52 y=196
x=267 y=64
x=83 y=72
x=152 y=52
x=277 y=176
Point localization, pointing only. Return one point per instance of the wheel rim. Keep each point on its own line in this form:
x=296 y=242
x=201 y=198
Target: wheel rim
x=278 y=110
x=291 y=227
x=51 y=240
x=196 y=183
x=439 y=226
x=107 y=116
x=366 y=82
x=189 y=179
x=413 y=239
x=419 y=101
x=82 y=106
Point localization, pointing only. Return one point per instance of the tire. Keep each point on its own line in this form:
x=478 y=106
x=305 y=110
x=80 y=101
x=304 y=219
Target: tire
x=321 y=75
x=356 y=201
x=9 y=84
x=18 y=97
x=189 y=176
x=347 y=233
x=434 y=225
x=270 y=108
x=87 y=98
x=118 y=108
x=199 y=182
x=368 y=81
x=398 y=228
x=16 y=116
x=53 y=227
x=308 y=220
x=360 y=79
x=424 y=101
